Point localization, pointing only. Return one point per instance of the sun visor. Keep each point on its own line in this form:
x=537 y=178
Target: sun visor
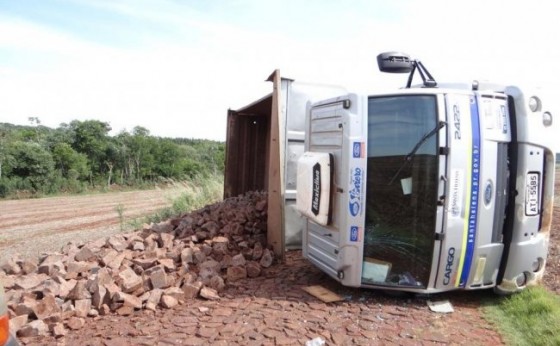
x=314 y=172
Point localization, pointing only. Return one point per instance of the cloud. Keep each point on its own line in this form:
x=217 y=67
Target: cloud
x=178 y=66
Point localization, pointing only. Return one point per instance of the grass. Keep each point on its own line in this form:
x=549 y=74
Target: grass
x=120 y=210
x=201 y=191
x=531 y=317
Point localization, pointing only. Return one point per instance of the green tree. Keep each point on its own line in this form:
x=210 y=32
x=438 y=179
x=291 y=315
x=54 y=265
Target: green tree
x=112 y=159
x=33 y=164
x=37 y=158
x=170 y=159
x=4 y=156
x=140 y=145
x=69 y=160
x=125 y=162
x=91 y=138
x=62 y=134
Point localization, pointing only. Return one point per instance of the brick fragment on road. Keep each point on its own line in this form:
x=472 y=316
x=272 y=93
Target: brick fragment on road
x=79 y=291
x=130 y=281
x=192 y=289
x=82 y=307
x=76 y=323
x=236 y=273
x=33 y=328
x=46 y=307
x=128 y=300
x=85 y=254
x=168 y=302
x=209 y=293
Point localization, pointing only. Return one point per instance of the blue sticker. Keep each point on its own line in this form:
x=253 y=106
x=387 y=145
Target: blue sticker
x=475 y=177
x=354 y=233
x=354 y=208
x=357 y=150
x=355 y=192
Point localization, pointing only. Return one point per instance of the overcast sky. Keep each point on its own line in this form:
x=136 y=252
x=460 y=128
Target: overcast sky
x=175 y=67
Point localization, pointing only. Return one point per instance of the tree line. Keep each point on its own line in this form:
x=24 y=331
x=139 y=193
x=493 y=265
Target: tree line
x=81 y=155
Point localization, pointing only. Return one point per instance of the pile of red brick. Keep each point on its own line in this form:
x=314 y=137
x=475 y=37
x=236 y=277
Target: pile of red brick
x=162 y=265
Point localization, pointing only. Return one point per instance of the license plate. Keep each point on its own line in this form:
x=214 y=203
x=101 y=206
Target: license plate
x=532 y=190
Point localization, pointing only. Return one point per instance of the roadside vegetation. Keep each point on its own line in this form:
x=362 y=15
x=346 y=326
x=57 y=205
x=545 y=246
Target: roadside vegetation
x=531 y=317
x=201 y=191
x=82 y=157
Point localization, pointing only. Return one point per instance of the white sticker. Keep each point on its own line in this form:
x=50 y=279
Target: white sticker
x=456 y=197
x=406 y=185
x=489 y=114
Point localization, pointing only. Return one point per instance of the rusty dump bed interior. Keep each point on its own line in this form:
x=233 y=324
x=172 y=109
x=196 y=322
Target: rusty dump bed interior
x=247 y=151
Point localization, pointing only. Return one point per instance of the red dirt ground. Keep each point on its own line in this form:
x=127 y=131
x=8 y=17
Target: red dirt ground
x=269 y=310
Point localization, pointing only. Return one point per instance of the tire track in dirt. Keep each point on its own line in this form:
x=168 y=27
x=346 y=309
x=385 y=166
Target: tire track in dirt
x=30 y=227
x=67 y=223
x=21 y=208
x=40 y=217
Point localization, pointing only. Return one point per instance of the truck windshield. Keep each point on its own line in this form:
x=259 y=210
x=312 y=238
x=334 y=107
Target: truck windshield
x=401 y=192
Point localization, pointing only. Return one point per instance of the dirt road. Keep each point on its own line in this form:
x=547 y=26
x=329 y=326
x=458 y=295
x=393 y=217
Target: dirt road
x=31 y=226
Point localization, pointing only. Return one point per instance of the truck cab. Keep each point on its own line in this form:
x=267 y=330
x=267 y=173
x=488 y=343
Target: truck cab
x=428 y=188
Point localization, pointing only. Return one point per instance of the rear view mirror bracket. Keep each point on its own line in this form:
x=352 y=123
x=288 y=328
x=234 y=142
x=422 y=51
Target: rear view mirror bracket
x=395 y=62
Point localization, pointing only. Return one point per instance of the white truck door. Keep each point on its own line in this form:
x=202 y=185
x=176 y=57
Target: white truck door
x=336 y=126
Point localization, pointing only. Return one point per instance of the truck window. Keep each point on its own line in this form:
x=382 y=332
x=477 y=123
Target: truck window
x=401 y=192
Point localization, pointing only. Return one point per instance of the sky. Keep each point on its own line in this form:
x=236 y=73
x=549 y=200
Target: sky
x=176 y=66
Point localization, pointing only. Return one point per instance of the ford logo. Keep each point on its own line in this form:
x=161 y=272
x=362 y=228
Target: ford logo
x=488 y=191
x=354 y=208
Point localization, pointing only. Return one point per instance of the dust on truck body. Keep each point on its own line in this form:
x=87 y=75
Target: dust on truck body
x=425 y=189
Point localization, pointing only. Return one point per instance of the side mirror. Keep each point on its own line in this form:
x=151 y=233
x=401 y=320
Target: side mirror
x=394 y=62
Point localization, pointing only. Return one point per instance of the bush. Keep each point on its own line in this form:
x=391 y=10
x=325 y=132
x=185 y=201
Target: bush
x=7 y=187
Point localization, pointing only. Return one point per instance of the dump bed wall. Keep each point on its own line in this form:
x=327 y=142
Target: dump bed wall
x=264 y=141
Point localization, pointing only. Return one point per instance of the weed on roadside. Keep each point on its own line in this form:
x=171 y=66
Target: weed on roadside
x=120 y=211
x=200 y=192
x=531 y=317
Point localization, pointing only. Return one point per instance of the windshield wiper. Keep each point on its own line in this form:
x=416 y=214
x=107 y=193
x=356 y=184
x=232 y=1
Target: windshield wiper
x=408 y=156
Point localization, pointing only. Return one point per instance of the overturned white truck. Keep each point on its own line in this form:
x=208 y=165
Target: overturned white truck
x=425 y=189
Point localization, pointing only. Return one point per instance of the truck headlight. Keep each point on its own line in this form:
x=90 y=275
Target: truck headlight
x=521 y=279
x=537 y=264
x=534 y=103
x=547 y=119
